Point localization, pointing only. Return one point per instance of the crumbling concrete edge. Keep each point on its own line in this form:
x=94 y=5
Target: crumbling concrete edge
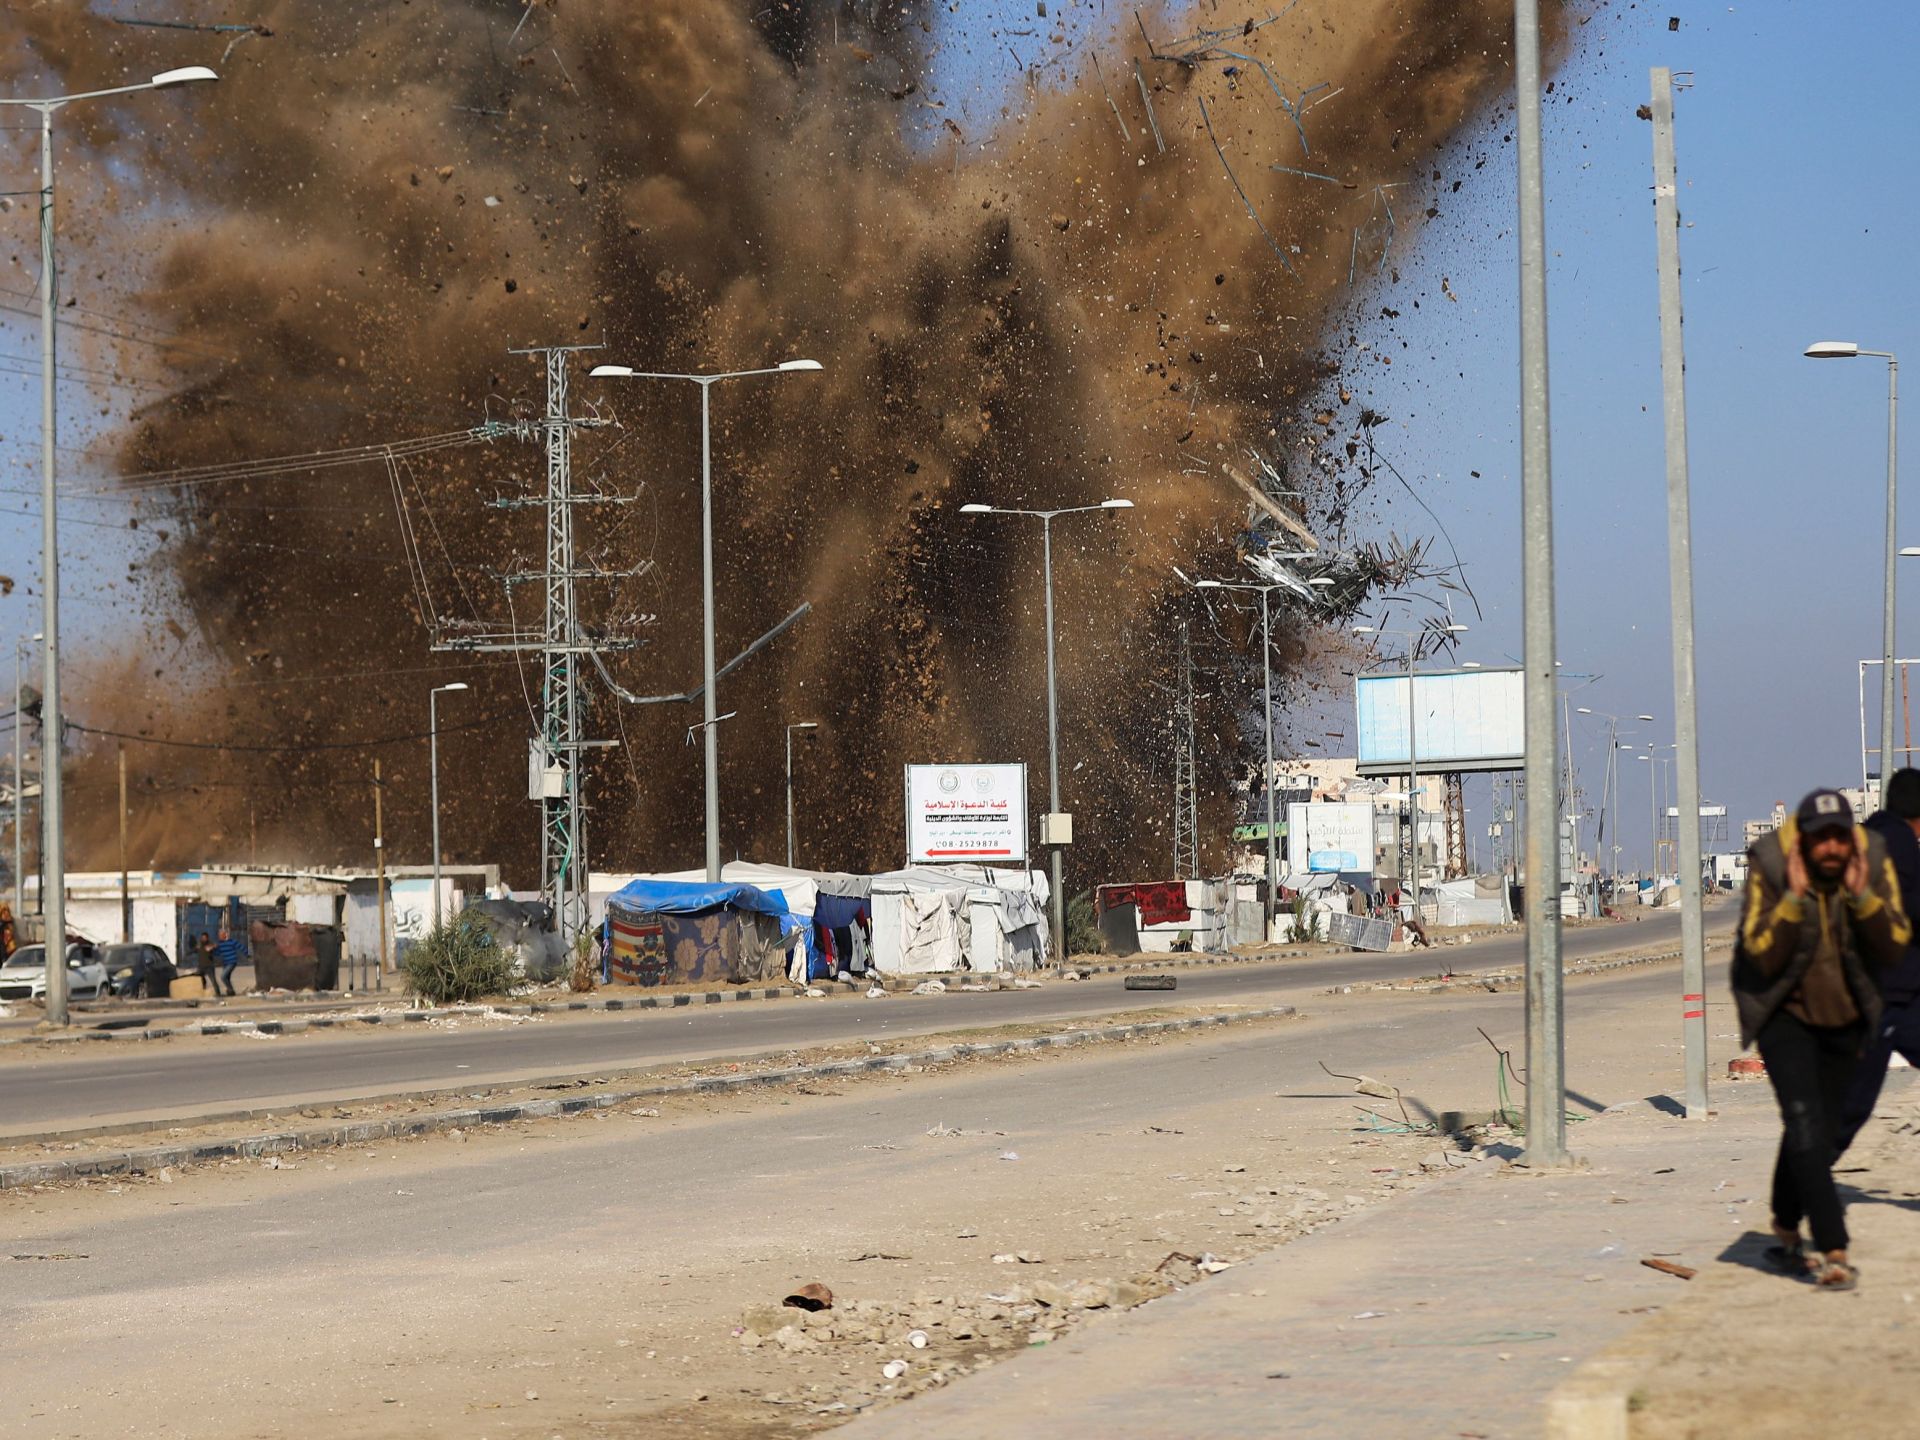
x=613 y=1004
x=1598 y=965
x=362 y=1132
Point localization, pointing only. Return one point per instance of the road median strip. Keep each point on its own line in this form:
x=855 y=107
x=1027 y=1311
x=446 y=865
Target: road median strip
x=148 y=1159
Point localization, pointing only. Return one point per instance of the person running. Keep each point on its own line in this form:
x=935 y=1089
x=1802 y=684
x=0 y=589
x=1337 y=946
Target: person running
x=229 y=952
x=1897 y=823
x=203 y=963
x=1821 y=918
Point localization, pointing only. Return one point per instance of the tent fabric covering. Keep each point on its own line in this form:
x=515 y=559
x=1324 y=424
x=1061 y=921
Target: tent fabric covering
x=1160 y=903
x=665 y=932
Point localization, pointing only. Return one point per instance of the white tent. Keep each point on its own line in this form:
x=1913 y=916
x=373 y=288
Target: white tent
x=940 y=919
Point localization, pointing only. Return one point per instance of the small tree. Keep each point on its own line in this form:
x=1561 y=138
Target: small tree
x=459 y=962
x=1083 y=929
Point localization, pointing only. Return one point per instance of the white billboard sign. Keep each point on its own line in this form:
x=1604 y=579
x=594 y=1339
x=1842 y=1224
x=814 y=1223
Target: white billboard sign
x=966 y=812
x=1463 y=720
x=1326 y=836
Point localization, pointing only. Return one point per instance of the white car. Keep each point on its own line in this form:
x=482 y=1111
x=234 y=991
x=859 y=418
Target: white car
x=24 y=976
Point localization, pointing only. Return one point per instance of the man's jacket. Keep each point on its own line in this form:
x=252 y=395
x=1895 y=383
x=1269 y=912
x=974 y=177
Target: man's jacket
x=1901 y=984
x=1782 y=935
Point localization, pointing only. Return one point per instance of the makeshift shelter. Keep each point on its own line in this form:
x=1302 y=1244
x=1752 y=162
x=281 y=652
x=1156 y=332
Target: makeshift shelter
x=1165 y=912
x=939 y=919
x=831 y=945
x=666 y=932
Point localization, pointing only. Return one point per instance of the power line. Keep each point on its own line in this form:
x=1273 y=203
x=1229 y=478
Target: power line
x=309 y=749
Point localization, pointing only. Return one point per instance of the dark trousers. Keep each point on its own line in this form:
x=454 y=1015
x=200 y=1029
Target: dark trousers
x=1811 y=1068
x=1899 y=1030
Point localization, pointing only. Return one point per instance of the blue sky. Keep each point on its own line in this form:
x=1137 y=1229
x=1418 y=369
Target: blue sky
x=1794 y=145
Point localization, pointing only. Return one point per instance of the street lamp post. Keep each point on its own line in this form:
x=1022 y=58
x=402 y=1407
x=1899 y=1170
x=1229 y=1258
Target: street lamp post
x=798 y=725
x=1608 y=779
x=1266 y=685
x=54 y=882
x=1053 y=821
x=433 y=771
x=1848 y=350
x=710 y=726
x=19 y=787
x=1413 y=771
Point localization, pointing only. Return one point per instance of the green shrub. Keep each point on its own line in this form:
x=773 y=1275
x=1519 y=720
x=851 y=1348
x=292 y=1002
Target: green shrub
x=459 y=962
x=1083 y=927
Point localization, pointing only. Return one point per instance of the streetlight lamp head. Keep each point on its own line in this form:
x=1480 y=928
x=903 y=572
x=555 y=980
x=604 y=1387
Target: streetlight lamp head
x=1456 y=629
x=1116 y=504
x=1363 y=630
x=1832 y=350
x=1469 y=664
x=1643 y=717
x=185 y=76
x=1910 y=550
x=804 y=725
x=611 y=372
x=1321 y=580
x=1207 y=585
x=976 y=508
x=799 y=364
x=456 y=685
x=1581 y=710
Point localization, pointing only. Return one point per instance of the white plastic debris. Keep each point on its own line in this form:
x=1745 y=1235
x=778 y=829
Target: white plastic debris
x=878 y=992
x=1020 y=982
x=917 y=1339
x=1010 y=1155
x=894 y=1369
x=814 y=992
x=930 y=987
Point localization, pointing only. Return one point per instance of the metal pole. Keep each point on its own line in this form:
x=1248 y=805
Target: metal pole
x=433 y=787
x=126 y=904
x=1546 y=1057
x=380 y=878
x=1413 y=789
x=19 y=787
x=1693 y=955
x=1886 y=628
x=709 y=699
x=1053 y=750
x=1266 y=670
x=789 y=797
x=53 y=887
x=1653 y=817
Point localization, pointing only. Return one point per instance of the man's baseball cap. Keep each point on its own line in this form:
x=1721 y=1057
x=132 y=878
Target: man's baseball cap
x=1824 y=810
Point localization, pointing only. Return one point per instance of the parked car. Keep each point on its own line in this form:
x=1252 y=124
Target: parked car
x=24 y=976
x=137 y=969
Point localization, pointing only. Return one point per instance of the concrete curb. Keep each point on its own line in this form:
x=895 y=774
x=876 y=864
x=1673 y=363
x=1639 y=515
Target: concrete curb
x=124 y=1162
x=296 y=1024
x=1598 y=965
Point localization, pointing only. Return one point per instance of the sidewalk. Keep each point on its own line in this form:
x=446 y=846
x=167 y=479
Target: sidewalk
x=1459 y=1309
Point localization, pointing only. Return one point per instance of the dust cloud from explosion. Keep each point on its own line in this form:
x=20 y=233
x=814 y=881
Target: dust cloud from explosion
x=379 y=201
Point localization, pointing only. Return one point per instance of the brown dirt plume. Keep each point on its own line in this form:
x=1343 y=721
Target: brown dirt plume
x=379 y=200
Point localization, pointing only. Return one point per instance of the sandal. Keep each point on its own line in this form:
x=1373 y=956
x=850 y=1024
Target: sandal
x=1835 y=1275
x=1793 y=1259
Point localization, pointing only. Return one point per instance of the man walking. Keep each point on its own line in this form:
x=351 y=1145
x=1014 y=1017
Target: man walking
x=229 y=952
x=1821 y=920
x=1897 y=824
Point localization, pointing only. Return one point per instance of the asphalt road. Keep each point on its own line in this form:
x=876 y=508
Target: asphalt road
x=467 y=1288
x=181 y=1080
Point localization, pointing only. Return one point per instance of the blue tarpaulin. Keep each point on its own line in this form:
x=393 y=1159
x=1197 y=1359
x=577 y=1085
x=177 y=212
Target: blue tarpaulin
x=686 y=897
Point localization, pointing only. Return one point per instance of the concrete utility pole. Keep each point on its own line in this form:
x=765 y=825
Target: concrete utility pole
x=1693 y=949
x=53 y=883
x=1546 y=1007
x=433 y=781
x=380 y=878
x=126 y=900
x=19 y=784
